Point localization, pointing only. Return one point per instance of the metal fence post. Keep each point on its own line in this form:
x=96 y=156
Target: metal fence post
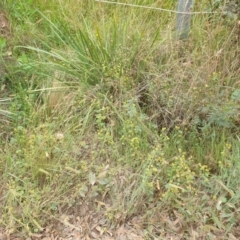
x=183 y=20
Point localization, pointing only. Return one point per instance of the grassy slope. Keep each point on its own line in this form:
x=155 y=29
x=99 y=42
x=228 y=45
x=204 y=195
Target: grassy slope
x=108 y=104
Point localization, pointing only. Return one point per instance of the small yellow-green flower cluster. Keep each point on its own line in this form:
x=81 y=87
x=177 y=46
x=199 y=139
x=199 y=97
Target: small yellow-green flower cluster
x=157 y=156
x=203 y=171
x=224 y=162
x=156 y=163
x=134 y=143
x=180 y=173
x=34 y=149
x=130 y=138
x=131 y=131
x=84 y=166
x=114 y=71
x=116 y=75
x=169 y=174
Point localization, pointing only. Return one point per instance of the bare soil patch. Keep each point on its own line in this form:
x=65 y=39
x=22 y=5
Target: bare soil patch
x=4 y=25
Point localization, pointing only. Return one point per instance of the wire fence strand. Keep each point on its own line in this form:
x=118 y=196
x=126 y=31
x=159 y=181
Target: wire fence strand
x=154 y=8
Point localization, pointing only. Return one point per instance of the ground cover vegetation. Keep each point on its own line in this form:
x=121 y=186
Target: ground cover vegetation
x=111 y=128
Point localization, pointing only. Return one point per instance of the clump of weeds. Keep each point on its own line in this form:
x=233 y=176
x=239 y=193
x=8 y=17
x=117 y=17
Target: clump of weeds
x=110 y=109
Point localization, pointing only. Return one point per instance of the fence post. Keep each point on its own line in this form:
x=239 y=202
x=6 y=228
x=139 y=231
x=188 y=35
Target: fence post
x=183 y=21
